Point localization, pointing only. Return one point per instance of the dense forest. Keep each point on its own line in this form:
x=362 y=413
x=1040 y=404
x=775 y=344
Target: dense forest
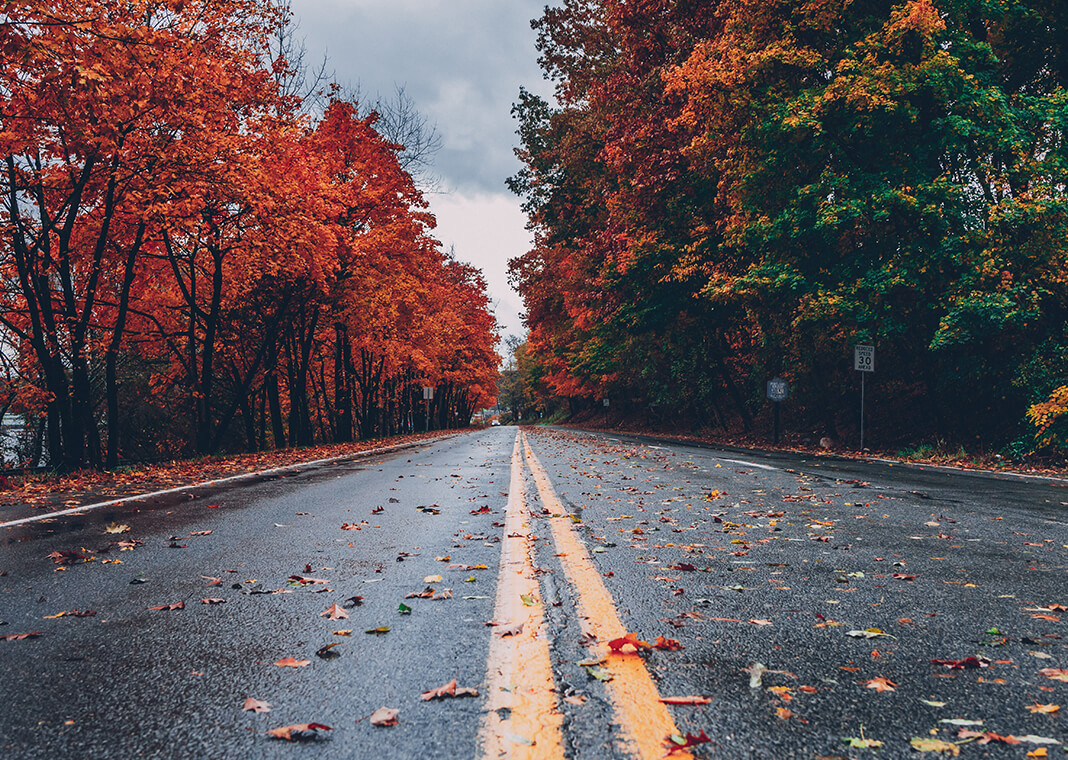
x=726 y=192
x=205 y=247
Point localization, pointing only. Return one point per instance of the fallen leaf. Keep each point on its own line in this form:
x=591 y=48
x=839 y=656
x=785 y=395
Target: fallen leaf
x=513 y=629
x=869 y=633
x=291 y=662
x=676 y=742
x=880 y=684
x=921 y=744
x=861 y=742
x=213 y=601
x=432 y=579
x=256 y=705
x=384 y=716
x=449 y=690
x=1039 y=752
x=201 y=533
x=527 y=599
x=334 y=612
x=304 y=581
x=669 y=645
x=631 y=639
x=1057 y=674
x=961 y=722
x=20 y=636
x=985 y=737
x=379 y=631
x=686 y=700
x=404 y=609
x=287 y=732
x=933 y=703
x=327 y=652
x=175 y=606
x=209 y=581
x=1043 y=709
x=114 y=527
x=968 y=663
x=784 y=713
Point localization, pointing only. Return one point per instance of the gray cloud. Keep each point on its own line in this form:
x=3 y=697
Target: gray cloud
x=461 y=61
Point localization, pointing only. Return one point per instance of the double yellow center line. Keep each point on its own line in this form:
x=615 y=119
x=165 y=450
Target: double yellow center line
x=523 y=719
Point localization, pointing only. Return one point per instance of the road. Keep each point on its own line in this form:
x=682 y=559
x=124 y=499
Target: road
x=804 y=602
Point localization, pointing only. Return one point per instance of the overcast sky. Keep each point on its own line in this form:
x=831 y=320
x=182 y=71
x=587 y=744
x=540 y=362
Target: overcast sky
x=462 y=62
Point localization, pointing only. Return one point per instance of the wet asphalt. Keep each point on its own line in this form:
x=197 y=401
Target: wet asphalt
x=743 y=558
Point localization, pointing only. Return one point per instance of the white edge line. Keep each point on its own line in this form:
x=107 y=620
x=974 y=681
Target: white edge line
x=218 y=481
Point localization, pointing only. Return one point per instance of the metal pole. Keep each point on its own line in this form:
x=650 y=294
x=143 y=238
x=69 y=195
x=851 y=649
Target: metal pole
x=776 y=423
x=862 y=376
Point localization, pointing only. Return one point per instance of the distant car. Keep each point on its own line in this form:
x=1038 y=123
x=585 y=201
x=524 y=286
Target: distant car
x=495 y=423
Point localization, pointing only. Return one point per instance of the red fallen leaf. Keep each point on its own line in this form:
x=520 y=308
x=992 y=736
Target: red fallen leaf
x=384 y=716
x=968 y=663
x=290 y=662
x=20 y=636
x=256 y=705
x=67 y=558
x=1057 y=674
x=82 y=613
x=213 y=506
x=676 y=742
x=378 y=510
x=985 y=737
x=482 y=511
x=686 y=700
x=904 y=577
x=880 y=684
x=426 y=593
x=334 y=613
x=670 y=645
x=210 y=581
x=213 y=601
x=685 y=566
x=449 y=690
x=617 y=645
x=175 y=606
x=201 y=533
x=304 y=580
x=286 y=732
x=1052 y=618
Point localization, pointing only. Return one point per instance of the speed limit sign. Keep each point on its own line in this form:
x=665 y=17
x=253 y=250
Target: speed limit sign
x=864 y=358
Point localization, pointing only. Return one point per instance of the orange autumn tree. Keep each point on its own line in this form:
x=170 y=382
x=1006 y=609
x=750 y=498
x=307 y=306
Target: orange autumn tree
x=180 y=244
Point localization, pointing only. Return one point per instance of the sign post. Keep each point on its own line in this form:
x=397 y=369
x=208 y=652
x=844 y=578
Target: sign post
x=605 y=402
x=863 y=362
x=778 y=389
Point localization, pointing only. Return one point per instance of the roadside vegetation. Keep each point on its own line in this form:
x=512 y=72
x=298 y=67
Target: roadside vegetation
x=724 y=193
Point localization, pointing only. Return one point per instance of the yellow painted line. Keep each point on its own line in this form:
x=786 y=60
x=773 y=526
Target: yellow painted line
x=643 y=719
x=519 y=673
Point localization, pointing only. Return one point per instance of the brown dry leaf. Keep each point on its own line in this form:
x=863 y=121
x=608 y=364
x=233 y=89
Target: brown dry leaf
x=923 y=744
x=286 y=732
x=384 y=716
x=669 y=645
x=1057 y=674
x=881 y=684
x=256 y=705
x=291 y=662
x=784 y=712
x=304 y=580
x=114 y=527
x=1043 y=709
x=513 y=629
x=334 y=612
x=210 y=581
x=985 y=737
x=693 y=700
x=449 y=690
x=201 y=533
x=211 y=600
x=20 y=636
x=175 y=606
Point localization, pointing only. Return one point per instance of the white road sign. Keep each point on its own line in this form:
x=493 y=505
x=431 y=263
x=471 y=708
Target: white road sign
x=864 y=358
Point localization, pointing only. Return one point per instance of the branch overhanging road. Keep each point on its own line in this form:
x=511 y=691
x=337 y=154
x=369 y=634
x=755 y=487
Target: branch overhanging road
x=814 y=603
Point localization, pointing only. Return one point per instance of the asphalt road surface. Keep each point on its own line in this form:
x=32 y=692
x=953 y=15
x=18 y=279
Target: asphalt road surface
x=800 y=609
